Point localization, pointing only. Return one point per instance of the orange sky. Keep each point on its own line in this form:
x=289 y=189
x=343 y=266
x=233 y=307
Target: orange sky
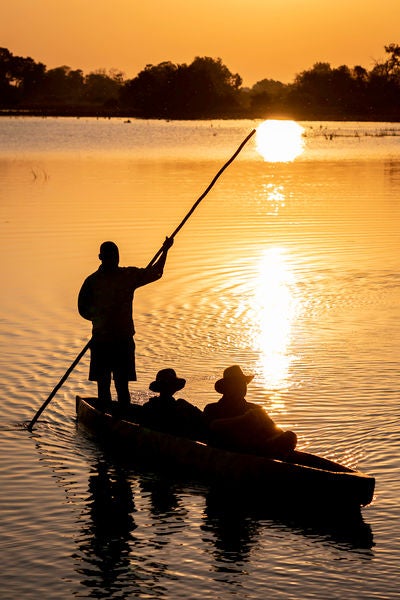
x=256 y=38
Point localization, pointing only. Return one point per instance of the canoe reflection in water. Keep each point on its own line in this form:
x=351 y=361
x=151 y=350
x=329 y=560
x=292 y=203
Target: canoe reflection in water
x=116 y=556
x=236 y=525
x=104 y=541
x=120 y=553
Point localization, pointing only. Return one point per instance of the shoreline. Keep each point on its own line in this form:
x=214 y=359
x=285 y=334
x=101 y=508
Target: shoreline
x=121 y=114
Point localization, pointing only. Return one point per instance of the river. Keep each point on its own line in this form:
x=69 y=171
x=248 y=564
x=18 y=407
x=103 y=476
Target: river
x=288 y=267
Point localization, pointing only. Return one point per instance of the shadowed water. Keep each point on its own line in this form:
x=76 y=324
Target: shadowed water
x=289 y=268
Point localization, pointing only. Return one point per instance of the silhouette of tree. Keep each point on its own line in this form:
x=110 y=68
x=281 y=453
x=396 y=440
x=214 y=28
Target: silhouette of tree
x=204 y=88
x=8 y=91
x=102 y=89
x=211 y=88
x=324 y=92
x=311 y=88
x=267 y=96
x=390 y=68
x=384 y=85
x=149 y=93
x=63 y=86
x=19 y=77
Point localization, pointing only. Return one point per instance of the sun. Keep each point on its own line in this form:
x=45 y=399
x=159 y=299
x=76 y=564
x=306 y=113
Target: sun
x=279 y=140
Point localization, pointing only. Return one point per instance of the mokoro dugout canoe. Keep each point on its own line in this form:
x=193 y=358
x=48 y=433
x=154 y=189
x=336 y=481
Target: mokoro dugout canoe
x=303 y=478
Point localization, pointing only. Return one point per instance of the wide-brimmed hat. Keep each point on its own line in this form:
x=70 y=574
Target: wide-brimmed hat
x=166 y=379
x=230 y=374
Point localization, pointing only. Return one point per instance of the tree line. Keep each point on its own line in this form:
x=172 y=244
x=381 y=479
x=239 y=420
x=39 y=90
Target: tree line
x=205 y=88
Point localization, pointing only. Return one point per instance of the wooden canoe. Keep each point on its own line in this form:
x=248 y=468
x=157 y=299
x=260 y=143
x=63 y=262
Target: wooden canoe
x=304 y=478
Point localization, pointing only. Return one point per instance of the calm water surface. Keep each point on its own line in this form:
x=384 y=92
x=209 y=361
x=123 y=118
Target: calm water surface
x=289 y=268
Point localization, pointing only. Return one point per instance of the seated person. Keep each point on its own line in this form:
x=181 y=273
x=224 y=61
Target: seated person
x=165 y=413
x=241 y=426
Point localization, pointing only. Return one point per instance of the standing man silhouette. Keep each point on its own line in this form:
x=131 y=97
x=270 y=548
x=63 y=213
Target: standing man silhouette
x=106 y=299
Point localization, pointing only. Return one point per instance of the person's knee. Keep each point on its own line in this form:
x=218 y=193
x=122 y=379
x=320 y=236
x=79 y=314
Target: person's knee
x=290 y=440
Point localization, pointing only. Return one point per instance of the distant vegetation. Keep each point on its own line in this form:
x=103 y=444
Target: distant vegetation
x=203 y=89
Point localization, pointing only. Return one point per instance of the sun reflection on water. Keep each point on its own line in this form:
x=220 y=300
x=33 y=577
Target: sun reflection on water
x=274 y=197
x=279 y=140
x=274 y=308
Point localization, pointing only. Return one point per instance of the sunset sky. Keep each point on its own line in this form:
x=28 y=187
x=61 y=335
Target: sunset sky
x=258 y=39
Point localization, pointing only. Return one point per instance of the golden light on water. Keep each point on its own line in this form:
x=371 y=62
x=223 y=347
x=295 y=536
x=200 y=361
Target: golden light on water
x=274 y=309
x=279 y=140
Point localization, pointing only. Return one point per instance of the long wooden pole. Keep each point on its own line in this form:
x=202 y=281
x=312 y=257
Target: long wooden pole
x=153 y=260
x=59 y=384
x=208 y=188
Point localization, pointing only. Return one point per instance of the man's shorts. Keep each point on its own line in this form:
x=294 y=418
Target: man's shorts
x=112 y=357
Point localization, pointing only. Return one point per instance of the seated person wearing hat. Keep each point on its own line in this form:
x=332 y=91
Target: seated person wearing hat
x=241 y=426
x=165 y=413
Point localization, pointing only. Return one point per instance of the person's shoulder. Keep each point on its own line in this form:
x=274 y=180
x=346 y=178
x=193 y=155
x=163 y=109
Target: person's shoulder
x=153 y=402
x=136 y=275
x=130 y=271
x=211 y=405
x=92 y=276
x=89 y=282
x=259 y=412
x=210 y=410
x=183 y=402
x=253 y=406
